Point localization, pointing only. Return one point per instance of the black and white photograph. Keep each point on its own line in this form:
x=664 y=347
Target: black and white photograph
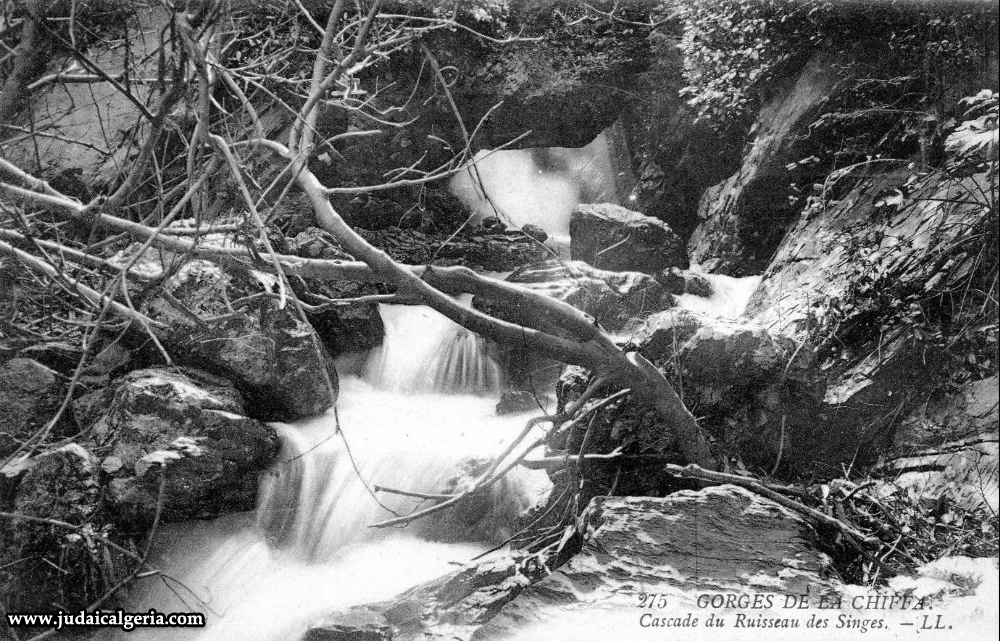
x=499 y=320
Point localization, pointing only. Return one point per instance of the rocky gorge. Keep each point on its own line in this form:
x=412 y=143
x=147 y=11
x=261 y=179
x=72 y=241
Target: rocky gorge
x=815 y=278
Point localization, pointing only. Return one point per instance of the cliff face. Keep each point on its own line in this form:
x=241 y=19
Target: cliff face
x=743 y=217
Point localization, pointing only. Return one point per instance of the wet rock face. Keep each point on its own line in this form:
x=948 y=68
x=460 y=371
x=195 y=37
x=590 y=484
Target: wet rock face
x=232 y=324
x=184 y=430
x=30 y=395
x=848 y=277
x=720 y=540
x=743 y=218
x=616 y=239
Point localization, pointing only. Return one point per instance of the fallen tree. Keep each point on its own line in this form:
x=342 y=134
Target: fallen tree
x=351 y=40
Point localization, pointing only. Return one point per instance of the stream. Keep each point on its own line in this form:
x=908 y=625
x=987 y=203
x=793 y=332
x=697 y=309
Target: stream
x=416 y=414
x=412 y=421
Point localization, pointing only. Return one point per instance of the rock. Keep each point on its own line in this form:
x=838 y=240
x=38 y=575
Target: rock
x=614 y=299
x=187 y=428
x=535 y=232
x=616 y=239
x=491 y=515
x=849 y=277
x=966 y=473
x=354 y=625
x=681 y=281
x=744 y=217
x=265 y=349
x=352 y=327
x=714 y=351
x=59 y=356
x=515 y=401
x=314 y=242
x=757 y=392
x=720 y=540
x=675 y=155
x=460 y=601
x=62 y=485
x=950 y=414
x=30 y=396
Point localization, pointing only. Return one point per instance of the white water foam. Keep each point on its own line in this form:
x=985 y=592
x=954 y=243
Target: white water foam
x=310 y=550
x=513 y=185
x=425 y=352
x=729 y=299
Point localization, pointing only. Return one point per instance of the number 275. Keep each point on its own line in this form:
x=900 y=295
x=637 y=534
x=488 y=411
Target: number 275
x=652 y=601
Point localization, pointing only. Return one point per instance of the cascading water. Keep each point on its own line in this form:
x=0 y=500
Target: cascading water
x=425 y=352
x=539 y=186
x=418 y=417
x=309 y=550
x=729 y=299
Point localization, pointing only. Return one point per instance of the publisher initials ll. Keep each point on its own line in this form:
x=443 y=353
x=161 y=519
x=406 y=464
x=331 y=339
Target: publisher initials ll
x=926 y=625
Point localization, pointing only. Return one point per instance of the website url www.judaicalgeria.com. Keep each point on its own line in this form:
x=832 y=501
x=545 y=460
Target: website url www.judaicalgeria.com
x=109 y=619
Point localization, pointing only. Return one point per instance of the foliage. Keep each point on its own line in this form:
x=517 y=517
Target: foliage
x=735 y=50
x=974 y=143
x=913 y=531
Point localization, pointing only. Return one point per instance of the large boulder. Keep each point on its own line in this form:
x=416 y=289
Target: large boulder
x=44 y=565
x=863 y=280
x=180 y=433
x=232 y=323
x=616 y=239
x=720 y=540
x=30 y=395
x=756 y=391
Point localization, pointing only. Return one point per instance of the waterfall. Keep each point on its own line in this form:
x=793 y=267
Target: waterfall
x=729 y=299
x=319 y=499
x=425 y=352
x=421 y=419
x=542 y=186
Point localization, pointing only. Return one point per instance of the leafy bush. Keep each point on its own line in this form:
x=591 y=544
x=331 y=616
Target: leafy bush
x=735 y=50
